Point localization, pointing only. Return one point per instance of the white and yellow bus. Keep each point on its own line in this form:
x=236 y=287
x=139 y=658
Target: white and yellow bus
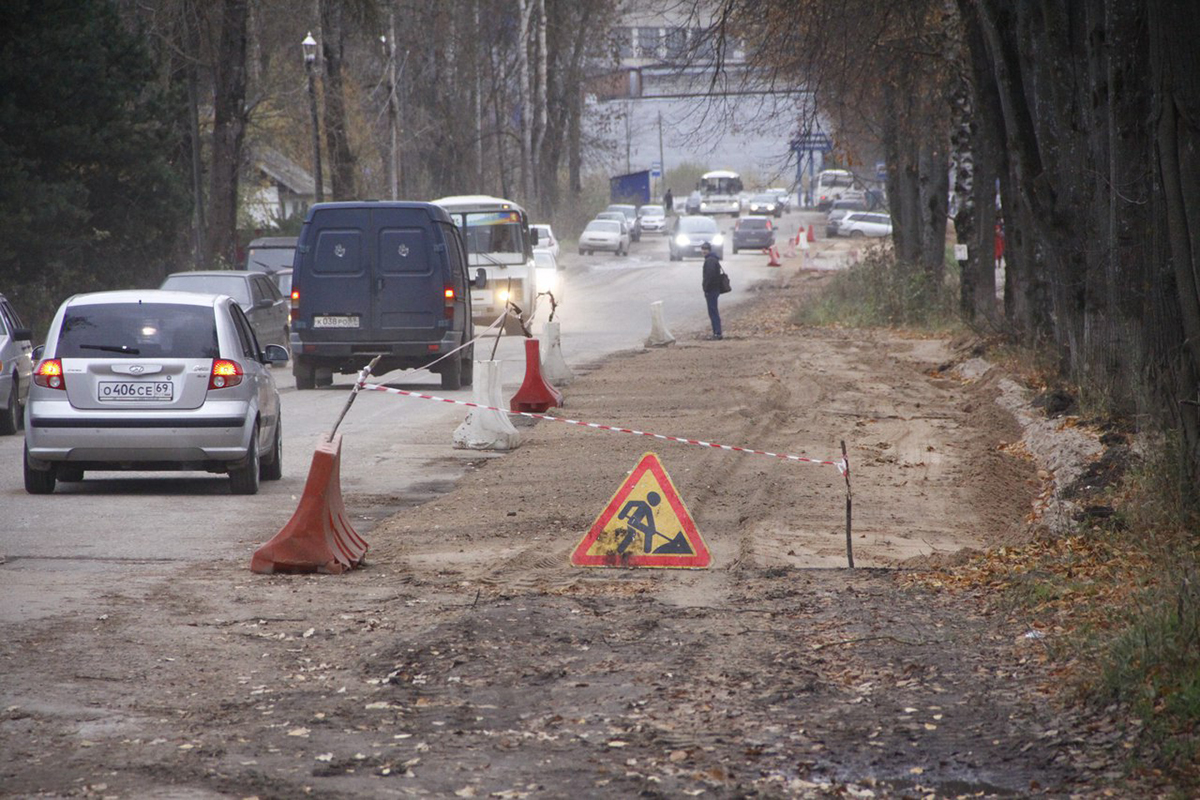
x=498 y=239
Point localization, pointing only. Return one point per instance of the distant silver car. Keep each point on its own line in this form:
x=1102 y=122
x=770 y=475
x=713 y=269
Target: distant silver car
x=153 y=380
x=16 y=367
x=605 y=234
x=257 y=293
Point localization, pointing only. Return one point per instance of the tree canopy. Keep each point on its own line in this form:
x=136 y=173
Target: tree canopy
x=90 y=183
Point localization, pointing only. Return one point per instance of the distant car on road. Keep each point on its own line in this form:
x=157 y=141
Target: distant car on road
x=16 y=367
x=782 y=196
x=766 y=204
x=618 y=216
x=631 y=216
x=153 y=380
x=692 y=204
x=865 y=223
x=839 y=211
x=546 y=240
x=604 y=234
x=689 y=232
x=271 y=254
x=259 y=296
x=549 y=274
x=753 y=233
x=653 y=219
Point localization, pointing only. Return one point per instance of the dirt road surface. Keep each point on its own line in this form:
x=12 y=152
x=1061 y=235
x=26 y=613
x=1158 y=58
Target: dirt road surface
x=469 y=659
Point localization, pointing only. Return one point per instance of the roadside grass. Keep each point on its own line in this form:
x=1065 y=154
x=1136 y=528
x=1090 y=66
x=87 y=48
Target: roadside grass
x=1115 y=604
x=878 y=292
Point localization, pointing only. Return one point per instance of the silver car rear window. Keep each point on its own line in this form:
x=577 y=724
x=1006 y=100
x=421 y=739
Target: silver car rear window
x=138 y=330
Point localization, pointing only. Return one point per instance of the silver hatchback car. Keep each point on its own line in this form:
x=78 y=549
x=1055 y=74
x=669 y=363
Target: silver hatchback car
x=153 y=380
x=15 y=367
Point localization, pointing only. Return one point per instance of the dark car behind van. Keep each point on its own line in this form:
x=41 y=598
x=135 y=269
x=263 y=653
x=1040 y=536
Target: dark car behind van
x=384 y=279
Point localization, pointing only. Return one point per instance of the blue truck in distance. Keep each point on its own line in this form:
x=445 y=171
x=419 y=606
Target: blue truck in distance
x=633 y=188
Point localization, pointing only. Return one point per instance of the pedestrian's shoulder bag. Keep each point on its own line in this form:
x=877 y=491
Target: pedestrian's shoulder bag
x=725 y=287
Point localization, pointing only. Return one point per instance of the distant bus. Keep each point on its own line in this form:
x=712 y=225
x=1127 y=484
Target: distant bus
x=496 y=232
x=832 y=184
x=719 y=192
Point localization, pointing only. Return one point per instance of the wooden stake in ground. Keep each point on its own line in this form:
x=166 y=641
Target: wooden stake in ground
x=849 y=500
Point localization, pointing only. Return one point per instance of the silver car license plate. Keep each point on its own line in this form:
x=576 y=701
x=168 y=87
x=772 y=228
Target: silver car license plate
x=335 y=322
x=135 y=390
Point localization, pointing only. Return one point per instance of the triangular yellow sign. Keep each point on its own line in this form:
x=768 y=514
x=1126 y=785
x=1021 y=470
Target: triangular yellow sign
x=645 y=524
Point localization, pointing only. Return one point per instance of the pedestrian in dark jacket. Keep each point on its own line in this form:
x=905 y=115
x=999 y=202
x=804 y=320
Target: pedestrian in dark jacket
x=669 y=201
x=711 y=283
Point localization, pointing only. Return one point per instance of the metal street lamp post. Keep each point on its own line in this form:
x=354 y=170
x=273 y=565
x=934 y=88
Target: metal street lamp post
x=310 y=65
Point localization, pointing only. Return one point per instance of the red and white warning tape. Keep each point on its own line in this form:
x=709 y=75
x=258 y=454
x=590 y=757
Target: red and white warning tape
x=841 y=465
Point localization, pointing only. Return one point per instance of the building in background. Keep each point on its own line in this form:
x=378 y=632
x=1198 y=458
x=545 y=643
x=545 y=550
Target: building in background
x=277 y=188
x=661 y=102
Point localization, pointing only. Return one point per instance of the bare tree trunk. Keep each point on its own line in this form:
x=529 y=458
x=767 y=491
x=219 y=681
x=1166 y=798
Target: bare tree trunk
x=229 y=127
x=524 y=14
x=342 y=164
x=1177 y=92
x=190 y=48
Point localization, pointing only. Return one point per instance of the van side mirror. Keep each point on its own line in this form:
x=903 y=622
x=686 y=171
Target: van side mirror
x=37 y=353
x=480 y=281
x=265 y=302
x=22 y=334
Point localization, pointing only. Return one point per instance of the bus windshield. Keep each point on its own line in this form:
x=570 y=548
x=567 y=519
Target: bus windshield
x=492 y=231
x=720 y=183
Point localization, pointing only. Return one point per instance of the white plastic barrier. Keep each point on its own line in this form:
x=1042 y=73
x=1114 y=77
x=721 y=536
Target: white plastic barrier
x=485 y=428
x=554 y=366
x=659 y=335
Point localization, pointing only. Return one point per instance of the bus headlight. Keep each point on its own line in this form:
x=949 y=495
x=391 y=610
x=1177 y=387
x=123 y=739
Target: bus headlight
x=502 y=297
x=681 y=240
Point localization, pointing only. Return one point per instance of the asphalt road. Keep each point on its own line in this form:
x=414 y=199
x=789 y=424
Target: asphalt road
x=57 y=552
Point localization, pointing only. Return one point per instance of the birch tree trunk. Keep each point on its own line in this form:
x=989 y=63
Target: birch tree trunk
x=525 y=13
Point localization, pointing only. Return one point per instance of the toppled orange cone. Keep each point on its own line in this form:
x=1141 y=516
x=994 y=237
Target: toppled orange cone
x=318 y=537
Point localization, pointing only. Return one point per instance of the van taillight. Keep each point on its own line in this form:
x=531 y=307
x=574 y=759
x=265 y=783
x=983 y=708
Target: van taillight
x=768 y=224
x=49 y=373
x=448 y=293
x=225 y=373
x=295 y=300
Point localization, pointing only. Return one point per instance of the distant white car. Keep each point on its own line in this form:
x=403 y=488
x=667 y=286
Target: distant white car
x=864 y=223
x=549 y=274
x=546 y=240
x=604 y=234
x=654 y=219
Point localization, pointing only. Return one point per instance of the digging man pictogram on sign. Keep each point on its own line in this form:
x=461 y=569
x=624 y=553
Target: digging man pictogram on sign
x=639 y=515
x=645 y=524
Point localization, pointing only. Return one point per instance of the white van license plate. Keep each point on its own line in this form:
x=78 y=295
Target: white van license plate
x=335 y=322
x=135 y=390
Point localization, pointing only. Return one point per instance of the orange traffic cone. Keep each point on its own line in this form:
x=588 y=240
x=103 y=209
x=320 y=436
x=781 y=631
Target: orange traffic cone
x=773 y=251
x=318 y=537
x=535 y=395
x=812 y=237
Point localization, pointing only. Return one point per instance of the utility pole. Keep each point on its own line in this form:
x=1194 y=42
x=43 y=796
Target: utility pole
x=662 y=165
x=393 y=168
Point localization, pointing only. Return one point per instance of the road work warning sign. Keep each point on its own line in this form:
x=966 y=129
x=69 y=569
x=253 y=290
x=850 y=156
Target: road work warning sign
x=645 y=524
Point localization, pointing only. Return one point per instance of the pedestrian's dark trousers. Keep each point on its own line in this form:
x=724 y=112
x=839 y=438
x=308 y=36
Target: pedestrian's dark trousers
x=713 y=315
